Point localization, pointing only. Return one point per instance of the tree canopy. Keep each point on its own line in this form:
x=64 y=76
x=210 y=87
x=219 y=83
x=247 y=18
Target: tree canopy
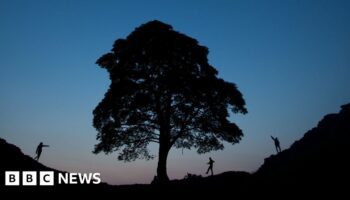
x=163 y=90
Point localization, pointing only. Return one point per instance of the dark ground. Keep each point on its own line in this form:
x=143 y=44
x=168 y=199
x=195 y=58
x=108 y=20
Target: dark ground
x=316 y=164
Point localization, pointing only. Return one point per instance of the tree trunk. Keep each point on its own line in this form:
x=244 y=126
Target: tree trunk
x=162 y=161
x=164 y=141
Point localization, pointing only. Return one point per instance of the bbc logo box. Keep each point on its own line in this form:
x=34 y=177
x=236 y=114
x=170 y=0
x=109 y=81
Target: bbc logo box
x=12 y=178
x=29 y=178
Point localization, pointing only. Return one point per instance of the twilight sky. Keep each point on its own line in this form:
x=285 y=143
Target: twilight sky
x=290 y=59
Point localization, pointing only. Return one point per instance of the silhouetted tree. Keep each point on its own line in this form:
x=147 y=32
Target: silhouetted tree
x=163 y=90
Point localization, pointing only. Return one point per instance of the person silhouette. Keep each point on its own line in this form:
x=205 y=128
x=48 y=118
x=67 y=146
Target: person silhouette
x=39 y=149
x=210 y=168
x=277 y=143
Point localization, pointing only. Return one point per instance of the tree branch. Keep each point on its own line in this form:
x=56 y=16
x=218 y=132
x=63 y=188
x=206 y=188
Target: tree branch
x=183 y=126
x=156 y=141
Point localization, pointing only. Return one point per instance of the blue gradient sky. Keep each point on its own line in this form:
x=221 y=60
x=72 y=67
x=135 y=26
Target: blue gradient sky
x=290 y=59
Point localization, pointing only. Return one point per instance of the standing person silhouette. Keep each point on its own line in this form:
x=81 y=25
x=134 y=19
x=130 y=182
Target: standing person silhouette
x=277 y=143
x=210 y=168
x=39 y=149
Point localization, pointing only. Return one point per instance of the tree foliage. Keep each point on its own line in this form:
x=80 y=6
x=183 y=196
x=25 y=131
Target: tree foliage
x=163 y=90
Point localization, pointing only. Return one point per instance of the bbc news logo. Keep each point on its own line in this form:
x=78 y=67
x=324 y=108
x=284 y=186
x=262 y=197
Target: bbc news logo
x=47 y=178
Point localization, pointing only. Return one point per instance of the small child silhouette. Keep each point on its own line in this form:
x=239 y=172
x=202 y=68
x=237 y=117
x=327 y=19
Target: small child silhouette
x=39 y=149
x=277 y=143
x=210 y=168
